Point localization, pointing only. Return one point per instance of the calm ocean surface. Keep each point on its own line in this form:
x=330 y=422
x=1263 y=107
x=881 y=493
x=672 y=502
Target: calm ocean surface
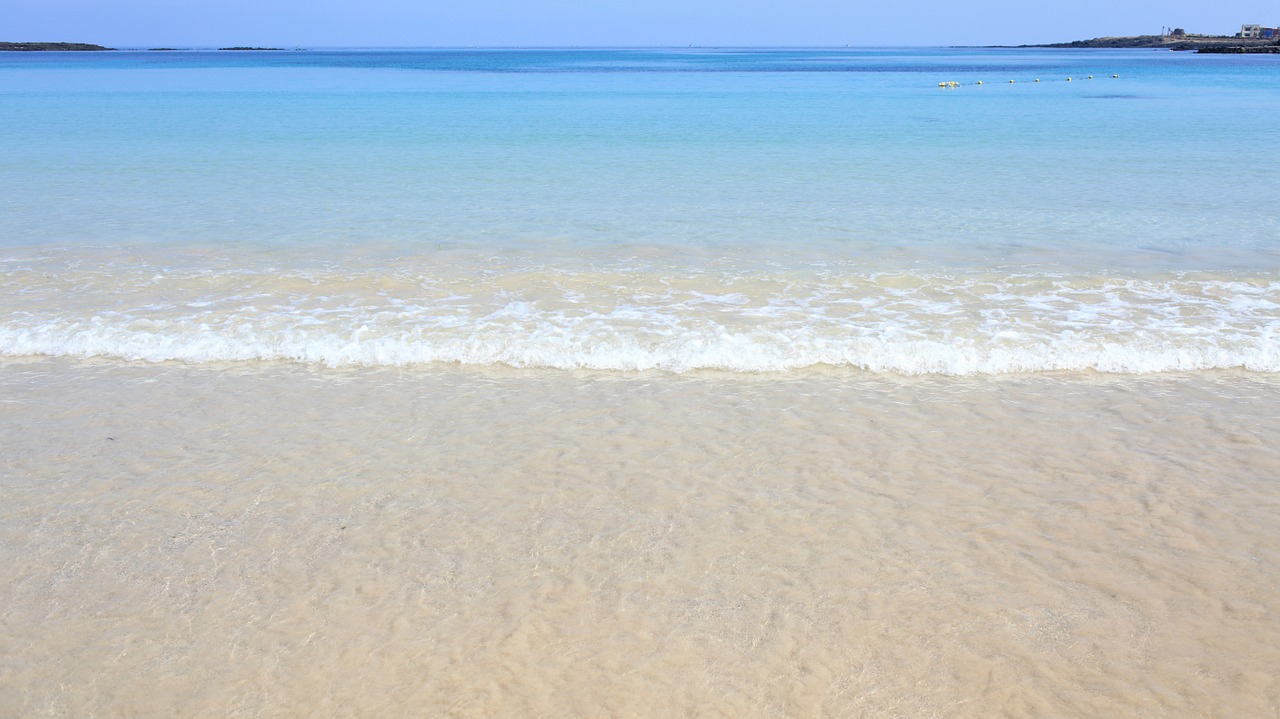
x=750 y=210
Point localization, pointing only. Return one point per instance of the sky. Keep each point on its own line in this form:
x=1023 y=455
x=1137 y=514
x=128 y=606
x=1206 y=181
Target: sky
x=429 y=23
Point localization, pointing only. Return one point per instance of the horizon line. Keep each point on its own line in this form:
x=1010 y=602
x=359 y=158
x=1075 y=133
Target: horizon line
x=668 y=46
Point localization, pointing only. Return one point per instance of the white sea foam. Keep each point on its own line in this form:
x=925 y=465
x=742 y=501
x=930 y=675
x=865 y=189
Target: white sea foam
x=640 y=318
x=557 y=347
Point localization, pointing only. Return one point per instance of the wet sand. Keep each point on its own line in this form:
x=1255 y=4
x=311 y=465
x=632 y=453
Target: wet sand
x=275 y=540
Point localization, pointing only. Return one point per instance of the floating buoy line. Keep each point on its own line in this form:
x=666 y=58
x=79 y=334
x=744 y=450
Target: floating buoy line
x=952 y=84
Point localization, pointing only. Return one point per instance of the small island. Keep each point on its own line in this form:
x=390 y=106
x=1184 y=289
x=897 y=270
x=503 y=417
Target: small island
x=51 y=47
x=251 y=48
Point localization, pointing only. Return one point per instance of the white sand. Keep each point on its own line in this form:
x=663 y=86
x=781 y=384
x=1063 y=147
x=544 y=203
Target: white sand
x=265 y=540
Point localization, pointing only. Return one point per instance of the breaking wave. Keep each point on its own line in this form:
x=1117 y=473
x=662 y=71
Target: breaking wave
x=930 y=323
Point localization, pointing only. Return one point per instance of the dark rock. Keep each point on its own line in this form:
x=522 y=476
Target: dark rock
x=1242 y=50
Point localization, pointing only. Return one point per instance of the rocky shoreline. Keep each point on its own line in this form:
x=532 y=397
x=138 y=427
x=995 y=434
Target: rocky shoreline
x=1234 y=50
x=1197 y=43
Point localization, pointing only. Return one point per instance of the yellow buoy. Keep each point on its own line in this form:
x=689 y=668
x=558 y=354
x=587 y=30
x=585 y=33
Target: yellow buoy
x=979 y=82
x=942 y=84
x=1115 y=76
x=1068 y=79
x=1011 y=82
x=1091 y=77
x=1037 y=79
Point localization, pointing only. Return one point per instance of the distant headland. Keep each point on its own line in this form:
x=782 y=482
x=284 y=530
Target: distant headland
x=84 y=47
x=55 y=46
x=1180 y=40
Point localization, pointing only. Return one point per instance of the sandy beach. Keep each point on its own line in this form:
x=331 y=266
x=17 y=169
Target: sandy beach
x=273 y=540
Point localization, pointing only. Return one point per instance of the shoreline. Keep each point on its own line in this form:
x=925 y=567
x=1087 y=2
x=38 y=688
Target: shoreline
x=1198 y=43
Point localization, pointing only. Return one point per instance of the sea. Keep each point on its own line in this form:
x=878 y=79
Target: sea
x=693 y=381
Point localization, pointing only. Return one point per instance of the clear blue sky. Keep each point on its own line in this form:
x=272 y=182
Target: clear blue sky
x=318 y=23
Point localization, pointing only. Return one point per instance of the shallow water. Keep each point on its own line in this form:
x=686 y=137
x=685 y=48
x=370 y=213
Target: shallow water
x=749 y=210
x=274 y=541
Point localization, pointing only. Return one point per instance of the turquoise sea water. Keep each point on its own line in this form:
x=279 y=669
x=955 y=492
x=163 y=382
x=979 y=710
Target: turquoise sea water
x=751 y=210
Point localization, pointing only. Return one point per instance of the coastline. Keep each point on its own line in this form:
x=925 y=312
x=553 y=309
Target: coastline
x=1198 y=43
x=90 y=47
x=51 y=47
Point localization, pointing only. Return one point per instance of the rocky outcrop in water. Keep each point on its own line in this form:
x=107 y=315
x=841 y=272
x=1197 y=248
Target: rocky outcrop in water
x=1242 y=50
